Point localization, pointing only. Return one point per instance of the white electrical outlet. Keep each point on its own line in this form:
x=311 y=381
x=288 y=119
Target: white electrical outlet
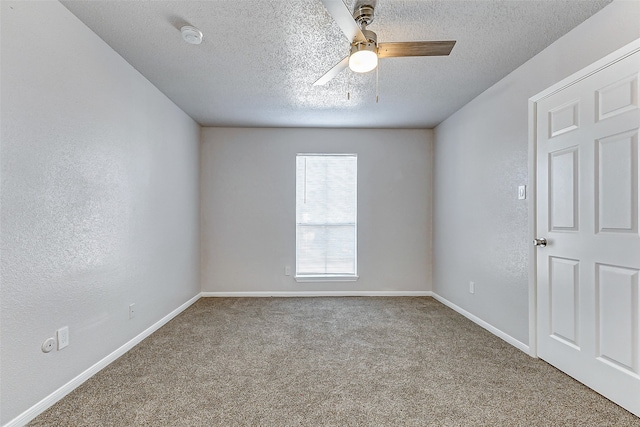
x=48 y=345
x=287 y=271
x=472 y=287
x=63 y=337
x=132 y=311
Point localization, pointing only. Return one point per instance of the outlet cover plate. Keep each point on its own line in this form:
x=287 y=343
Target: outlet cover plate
x=63 y=337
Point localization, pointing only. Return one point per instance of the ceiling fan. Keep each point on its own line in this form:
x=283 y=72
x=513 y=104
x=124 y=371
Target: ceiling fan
x=365 y=49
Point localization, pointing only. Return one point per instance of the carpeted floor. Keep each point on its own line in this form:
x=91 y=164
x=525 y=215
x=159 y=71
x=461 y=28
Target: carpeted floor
x=329 y=362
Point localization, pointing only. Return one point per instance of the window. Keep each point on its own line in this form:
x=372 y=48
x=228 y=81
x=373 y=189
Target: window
x=326 y=226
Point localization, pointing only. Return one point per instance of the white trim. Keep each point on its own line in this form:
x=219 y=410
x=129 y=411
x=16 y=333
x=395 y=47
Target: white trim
x=533 y=227
x=268 y=294
x=50 y=400
x=495 y=331
x=605 y=62
x=328 y=154
x=344 y=278
x=335 y=278
x=589 y=70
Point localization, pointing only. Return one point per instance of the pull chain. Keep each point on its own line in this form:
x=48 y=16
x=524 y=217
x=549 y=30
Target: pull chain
x=349 y=85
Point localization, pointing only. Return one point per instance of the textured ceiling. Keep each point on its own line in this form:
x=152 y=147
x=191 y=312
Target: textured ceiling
x=259 y=59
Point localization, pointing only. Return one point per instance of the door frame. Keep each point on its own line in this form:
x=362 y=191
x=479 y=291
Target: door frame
x=597 y=66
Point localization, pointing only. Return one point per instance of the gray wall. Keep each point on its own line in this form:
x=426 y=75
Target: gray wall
x=99 y=175
x=480 y=226
x=248 y=208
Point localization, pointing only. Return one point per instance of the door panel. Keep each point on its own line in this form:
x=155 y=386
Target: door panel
x=564 y=290
x=617 y=317
x=588 y=294
x=618 y=97
x=617 y=177
x=563 y=189
x=564 y=118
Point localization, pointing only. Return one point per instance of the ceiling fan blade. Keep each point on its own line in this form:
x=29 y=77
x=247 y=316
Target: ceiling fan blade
x=333 y=72
x=430 y=48
x=338 y=10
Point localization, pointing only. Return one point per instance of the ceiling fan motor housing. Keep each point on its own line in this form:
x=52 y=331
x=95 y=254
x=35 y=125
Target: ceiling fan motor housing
x=371 y=36
x=371 y=46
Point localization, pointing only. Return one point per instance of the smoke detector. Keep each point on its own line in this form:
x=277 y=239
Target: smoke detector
x=191 y=35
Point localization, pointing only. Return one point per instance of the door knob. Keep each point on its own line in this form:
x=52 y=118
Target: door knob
x=540 y=241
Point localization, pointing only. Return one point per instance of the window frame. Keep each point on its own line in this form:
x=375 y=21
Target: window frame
x=302 y=278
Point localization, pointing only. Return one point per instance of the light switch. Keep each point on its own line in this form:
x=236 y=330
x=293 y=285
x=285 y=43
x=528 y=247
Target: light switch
x=522 y=192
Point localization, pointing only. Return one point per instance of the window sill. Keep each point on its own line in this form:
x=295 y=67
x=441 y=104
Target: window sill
x=334 y=278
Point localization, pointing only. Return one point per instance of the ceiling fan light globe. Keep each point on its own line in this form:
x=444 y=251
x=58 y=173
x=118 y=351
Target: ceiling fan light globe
x=363 y=61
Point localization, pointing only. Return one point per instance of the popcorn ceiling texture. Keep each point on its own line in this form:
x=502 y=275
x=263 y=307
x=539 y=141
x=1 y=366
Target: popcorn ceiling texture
x=259 y=59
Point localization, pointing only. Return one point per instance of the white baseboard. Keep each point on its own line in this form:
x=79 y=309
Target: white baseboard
x=50 y=400
x=495 y=331
x=319 y=294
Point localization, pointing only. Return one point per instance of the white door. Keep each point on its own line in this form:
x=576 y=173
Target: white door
x=587 y=193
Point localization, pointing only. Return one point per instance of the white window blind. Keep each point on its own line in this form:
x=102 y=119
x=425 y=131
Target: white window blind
x=326 y=212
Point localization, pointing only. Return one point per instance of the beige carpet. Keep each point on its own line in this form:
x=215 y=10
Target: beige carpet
x=329 y=362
